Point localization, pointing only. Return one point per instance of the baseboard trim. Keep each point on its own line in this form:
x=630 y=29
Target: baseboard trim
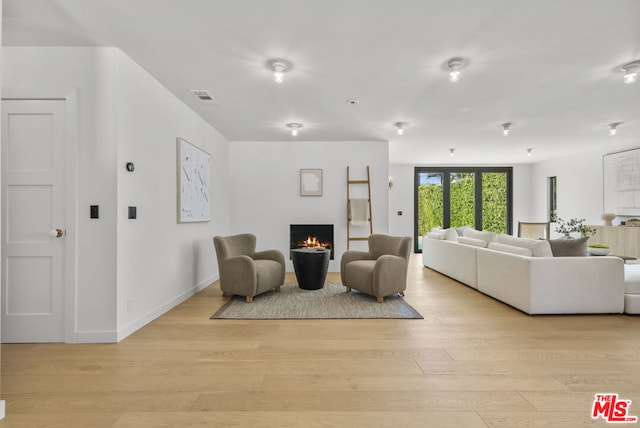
x=137 y=324
x=108 y=336
x=111 y=336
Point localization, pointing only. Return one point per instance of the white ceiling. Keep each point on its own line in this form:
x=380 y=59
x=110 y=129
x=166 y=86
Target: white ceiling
x=548 y=66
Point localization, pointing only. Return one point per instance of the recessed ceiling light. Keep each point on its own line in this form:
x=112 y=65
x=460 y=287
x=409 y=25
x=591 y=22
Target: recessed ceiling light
x=353 y=102
x=279 y=66
x=613 y=128
x=529 y=152
x=294 y=127
x=506 y=127
x=278 y=71
x=452 y=152
x=454 y=66
x=630 y=71
x=400 y=126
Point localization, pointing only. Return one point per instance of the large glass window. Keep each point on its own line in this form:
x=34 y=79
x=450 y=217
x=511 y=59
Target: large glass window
x=456 y=197
x=462 y=196
x=553 y=199
x=496 y=210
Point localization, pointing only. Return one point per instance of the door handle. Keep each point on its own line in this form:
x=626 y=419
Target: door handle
x=56 y=233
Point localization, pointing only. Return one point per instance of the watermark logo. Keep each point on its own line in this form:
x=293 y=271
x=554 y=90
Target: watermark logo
x=612 y=409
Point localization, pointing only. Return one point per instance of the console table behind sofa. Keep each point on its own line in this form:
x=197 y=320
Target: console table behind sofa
x=623 y=240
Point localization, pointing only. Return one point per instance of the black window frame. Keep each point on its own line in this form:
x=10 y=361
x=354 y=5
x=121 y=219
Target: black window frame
x=553 y=199
x=446 y=203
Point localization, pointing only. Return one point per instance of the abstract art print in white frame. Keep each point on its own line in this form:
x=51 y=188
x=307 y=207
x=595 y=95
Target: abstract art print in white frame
x=310 y=182
x=194 y=183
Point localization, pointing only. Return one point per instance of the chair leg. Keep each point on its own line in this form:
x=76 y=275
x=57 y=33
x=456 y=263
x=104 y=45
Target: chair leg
x=348 y=289
x=249 y=299
x=278 y=288
x=380 y=299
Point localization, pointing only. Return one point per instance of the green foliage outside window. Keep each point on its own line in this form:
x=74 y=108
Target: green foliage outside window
x=462 y=205
x=494 y=202
x=429 y=208
x=462 y=202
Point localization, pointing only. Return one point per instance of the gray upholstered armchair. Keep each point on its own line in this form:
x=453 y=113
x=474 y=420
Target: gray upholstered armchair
x=380 y=272
x=245 y=272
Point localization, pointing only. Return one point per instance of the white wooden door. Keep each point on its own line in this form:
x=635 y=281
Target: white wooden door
x=33 y=200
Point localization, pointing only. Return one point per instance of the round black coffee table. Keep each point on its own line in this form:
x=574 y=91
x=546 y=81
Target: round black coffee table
x=311 y=267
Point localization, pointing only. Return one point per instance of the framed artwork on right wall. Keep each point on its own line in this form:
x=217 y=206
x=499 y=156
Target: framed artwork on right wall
x=621 y=182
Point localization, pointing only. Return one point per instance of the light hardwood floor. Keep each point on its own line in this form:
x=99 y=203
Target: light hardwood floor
x=472 y=362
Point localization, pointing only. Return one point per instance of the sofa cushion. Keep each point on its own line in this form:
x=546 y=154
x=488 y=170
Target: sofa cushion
x=461 y=229
x=436 y=235
x=472 y=241
x=479 y=234
x=632 y=279
x=450 y=235
x=538 y=247
x=569 y=247
x=510 y=249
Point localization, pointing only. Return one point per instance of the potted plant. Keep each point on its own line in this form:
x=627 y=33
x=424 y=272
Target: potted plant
x=633 y=222
x=598 y=249
x=573 y=225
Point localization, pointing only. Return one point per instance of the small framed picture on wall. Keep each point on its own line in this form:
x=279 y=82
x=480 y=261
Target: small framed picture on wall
x=310 y=182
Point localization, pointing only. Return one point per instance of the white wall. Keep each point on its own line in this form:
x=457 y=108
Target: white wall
x=1 y=401
x=401 y=197
x=160 y=262
x=265 y=185
x=580 y=191
x=125 y=115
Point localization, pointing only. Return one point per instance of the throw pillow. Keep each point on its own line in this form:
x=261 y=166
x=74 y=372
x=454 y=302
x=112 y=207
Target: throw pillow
x=569 y=247
x=510 y=249
x=472 y=241
x=450 y=235
x=460 y=230
x=538 y=247
x=480 y=234
x=435 y=235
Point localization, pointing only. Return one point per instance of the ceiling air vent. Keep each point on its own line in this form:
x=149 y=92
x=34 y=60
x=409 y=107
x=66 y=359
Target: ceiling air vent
x=204 y=96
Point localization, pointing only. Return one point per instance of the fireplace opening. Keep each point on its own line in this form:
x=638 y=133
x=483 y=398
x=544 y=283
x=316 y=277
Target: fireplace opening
x=311 y=236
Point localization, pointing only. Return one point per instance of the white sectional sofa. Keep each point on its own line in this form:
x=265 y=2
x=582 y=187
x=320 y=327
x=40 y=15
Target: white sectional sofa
x=632 y=289
x=524 y=274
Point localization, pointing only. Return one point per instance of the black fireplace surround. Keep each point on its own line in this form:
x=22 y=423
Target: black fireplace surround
x=301 y=234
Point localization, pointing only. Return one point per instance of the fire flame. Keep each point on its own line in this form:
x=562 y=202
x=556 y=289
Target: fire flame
x=312 y=242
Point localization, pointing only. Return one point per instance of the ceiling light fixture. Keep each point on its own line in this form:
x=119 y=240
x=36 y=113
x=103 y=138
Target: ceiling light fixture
x=613 y=128
x=631 y=72
x=278 y=71
x=529 y=152
x=452 y=152
x=454 y=65
x=400 y=127
x=506 y=127
x=294 y=127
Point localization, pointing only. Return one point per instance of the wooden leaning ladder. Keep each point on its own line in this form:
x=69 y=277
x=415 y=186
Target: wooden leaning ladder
x=351 y=182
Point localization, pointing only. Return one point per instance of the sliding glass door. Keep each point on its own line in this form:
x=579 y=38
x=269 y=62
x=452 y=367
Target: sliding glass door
x=457 y=197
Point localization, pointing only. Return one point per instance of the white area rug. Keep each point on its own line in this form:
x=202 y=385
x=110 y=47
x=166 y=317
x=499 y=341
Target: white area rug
x=330 y=302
